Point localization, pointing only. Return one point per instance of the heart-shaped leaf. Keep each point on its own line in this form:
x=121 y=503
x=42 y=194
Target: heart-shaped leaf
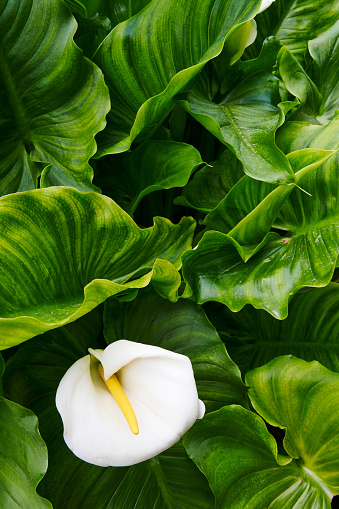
x=53 y=100
x=64 y=252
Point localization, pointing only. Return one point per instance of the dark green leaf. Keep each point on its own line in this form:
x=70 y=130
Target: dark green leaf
x=155 y=165
x=53 y=100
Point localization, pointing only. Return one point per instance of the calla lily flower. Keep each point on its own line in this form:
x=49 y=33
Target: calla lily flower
x=127 y=403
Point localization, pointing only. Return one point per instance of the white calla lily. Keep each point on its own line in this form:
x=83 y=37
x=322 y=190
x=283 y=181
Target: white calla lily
x=265 y=5
x=158 y=402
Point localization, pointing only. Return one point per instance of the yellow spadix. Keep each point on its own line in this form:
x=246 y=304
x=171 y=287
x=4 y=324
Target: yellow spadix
x=120 y=397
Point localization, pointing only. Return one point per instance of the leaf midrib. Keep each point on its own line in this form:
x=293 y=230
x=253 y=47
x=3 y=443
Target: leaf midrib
x=21 y=121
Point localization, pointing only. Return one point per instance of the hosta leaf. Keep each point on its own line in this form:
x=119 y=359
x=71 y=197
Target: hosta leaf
x=165 y=482
x=155 y=165
x=155 y=55
x=23 y=459
x=247 y=116
x=239 y=457
x=310 y=331
x=116 y=10
x=210 y=184
x=64 y=252
x=53 y=100
x=302 y=397
x=183 y=328
x=294 y=23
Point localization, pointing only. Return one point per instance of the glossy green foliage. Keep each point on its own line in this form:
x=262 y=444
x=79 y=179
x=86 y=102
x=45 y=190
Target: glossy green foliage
x=289 y=393
x=119 y=119
x=85 y=249
x=52 y=100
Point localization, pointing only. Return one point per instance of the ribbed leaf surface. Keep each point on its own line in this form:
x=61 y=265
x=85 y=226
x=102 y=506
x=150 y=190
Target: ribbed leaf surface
x=155 y=55
x=64 y=252
x=52 y=100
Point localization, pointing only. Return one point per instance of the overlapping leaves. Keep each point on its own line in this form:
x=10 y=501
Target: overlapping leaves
x=248 y=472
x=170 y=478
x=53 y=101
x=64 y=252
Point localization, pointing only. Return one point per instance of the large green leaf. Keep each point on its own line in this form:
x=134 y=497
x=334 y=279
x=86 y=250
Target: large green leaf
x=247 y=115
x=183 y=328
x=64 y=252
x=302 y=397
x=310 y=331
x=53 y=100
x=23 y=458
x=155 y=165
x=164 y=482
x=294 y=23
x=155 y=55
x=306 y=256
x=239 y=457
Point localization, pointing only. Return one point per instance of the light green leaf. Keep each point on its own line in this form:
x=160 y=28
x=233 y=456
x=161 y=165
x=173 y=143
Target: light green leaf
x=299 y=84
x=53 y=100
x=155 y=165
x=303 y=398
x=306 y=256
x=294 y=23
x=310 y=332
x=211 y=184
x=239 y=457
x=165 y=482
x=64 y=252
x=325 y=52
x=246 y=121
x=147 y=61
x=183 y=328
x=23 y=459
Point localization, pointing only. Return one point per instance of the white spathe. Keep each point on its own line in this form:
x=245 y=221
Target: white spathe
x=265 y=5
x=160 y=386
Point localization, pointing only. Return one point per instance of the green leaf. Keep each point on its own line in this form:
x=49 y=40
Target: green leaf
x=155 y=165
x=64 y=252
x=23 y=459
x=246 y=121
x=306 y=256
x=166 y=481
x=211 y=184
x=239 y=457
x=325 y=52
x=310 y=332
x=146 y=61
x=302 y=397
x=299 y=83
x=183 y=328
x=294 y=23
x=53 y=100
